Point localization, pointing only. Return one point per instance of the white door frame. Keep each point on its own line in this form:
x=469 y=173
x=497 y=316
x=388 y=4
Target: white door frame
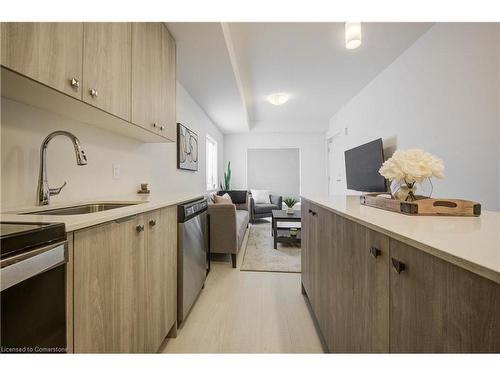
x=329 y=141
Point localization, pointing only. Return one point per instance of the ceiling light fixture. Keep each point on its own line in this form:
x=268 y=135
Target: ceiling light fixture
x=277 y=99
x=352 y=35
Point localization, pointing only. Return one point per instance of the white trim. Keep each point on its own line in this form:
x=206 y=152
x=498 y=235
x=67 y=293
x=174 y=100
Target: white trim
x=215 y=163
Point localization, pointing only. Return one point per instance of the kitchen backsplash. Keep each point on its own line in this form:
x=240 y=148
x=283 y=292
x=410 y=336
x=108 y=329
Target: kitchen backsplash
x=23 y=128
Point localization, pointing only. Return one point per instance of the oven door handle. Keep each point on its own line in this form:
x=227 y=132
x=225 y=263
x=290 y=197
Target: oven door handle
x=24 y=266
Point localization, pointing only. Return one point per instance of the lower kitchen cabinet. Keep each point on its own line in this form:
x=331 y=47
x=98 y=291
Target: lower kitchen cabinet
x=437 y=307
x=359 y=286
x=161 y=276
x=370 y=293
x=345 y=276
x=125 y=283
x=108 y=287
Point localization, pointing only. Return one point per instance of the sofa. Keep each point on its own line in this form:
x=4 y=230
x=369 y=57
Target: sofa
x=228 y=223
x=262 y=210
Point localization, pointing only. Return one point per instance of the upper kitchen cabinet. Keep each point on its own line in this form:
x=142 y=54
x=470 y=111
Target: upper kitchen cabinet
x=153 y=79
x=50 y=53
x=107 y=66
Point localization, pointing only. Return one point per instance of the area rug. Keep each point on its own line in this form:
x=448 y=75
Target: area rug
x=261 y=256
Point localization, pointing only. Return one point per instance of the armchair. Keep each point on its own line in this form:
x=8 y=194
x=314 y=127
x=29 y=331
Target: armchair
x=262 y=210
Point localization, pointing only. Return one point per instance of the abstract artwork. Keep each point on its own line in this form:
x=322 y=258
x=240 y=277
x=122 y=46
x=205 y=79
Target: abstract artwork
x=187 y=148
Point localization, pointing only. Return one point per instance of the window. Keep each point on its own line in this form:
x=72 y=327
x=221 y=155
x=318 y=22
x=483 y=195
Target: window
x=211 y=163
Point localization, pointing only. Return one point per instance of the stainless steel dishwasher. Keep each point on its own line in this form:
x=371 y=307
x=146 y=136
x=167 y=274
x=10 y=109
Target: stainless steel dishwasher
x=191 y=254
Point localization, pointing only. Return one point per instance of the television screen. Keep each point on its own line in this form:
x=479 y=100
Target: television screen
x=362 y=164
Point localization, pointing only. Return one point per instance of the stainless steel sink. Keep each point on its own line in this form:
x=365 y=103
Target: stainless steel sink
x=82 y=209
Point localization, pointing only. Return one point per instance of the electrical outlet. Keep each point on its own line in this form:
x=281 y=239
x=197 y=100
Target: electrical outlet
x=116 y=171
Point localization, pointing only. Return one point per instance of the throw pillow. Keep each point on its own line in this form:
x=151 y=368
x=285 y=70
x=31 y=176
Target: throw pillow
x=225 y=199
x=211 y=197
x=260 y=196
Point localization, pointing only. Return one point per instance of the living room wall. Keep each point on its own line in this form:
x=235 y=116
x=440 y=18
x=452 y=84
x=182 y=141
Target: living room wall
x=274 y=169
x=442 y=95
x=312 y=157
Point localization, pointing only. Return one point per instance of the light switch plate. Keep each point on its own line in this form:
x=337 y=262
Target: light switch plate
x=116 y=171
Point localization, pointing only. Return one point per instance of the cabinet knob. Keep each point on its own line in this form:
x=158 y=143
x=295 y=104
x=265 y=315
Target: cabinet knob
x=93 y=93
x=397 y=265
x=162 y=128
x=140 y=228
x=375 y=252
x=75 y=83
x=155 y=125
x=313 y=213
x=152 y=222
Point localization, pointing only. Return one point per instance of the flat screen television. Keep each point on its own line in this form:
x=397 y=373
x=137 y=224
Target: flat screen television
x=362 y=164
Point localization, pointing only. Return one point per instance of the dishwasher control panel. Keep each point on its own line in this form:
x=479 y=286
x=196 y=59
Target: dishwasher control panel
x=188 y=210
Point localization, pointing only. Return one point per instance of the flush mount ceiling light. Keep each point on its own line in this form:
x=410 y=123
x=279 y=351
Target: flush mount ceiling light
x=277 y=99
x=352 y=35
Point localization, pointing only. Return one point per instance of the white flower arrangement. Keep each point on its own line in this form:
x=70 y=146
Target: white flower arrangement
x=410 y=166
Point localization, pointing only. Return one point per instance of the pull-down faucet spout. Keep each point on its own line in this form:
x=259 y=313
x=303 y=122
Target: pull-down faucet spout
x=44 y=191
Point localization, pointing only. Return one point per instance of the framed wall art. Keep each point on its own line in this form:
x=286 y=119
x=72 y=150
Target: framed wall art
x=187 y=148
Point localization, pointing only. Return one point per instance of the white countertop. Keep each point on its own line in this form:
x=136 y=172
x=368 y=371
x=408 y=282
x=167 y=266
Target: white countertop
x=472 y=243
x=75 y=222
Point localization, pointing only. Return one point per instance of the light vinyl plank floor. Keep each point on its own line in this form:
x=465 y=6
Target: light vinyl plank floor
x=247 y=312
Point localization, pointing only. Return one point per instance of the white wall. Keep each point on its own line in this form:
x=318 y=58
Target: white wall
x=274 y=169
x=312 y=157
x=442 y=95
x=23 y=128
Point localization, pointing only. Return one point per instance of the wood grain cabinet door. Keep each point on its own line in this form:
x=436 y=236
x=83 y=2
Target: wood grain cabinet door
x=360 y=290
x=437 y=307
x=109 y=287
x=160 y=276
x=153 y=78
x=324 y=270
x=168 y=114
x=48 y=52
x=315 y=259
x=304 y=254
x=310 y=253
x=107 y=65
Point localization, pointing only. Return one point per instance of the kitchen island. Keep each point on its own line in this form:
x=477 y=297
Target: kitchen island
x=379 y=281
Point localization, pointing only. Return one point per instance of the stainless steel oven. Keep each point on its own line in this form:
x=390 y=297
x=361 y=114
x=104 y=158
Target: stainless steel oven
x=33 y=288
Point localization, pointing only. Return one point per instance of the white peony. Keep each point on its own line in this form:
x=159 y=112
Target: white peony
x=413 y=165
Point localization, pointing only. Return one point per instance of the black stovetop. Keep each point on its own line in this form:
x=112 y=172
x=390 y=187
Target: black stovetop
x=16 y=237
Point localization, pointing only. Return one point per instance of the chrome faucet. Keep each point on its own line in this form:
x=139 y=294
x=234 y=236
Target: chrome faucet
x=44 y=191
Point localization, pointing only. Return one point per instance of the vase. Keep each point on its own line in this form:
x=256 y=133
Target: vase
x=406 y=192
x=289 y=210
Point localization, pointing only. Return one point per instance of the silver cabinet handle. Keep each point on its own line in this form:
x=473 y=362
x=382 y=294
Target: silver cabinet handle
x=93 y=93
x=75 y=83
x=152 y=222
x=162 y=128
x=140 y=228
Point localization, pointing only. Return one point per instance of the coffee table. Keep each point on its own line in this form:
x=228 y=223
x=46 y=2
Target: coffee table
x=282 y=234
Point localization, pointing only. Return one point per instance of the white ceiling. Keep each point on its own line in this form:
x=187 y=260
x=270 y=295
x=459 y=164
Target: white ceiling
x=229 y=69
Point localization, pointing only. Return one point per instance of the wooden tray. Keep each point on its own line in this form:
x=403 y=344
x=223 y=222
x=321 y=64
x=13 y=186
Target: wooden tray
x=424 y=206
